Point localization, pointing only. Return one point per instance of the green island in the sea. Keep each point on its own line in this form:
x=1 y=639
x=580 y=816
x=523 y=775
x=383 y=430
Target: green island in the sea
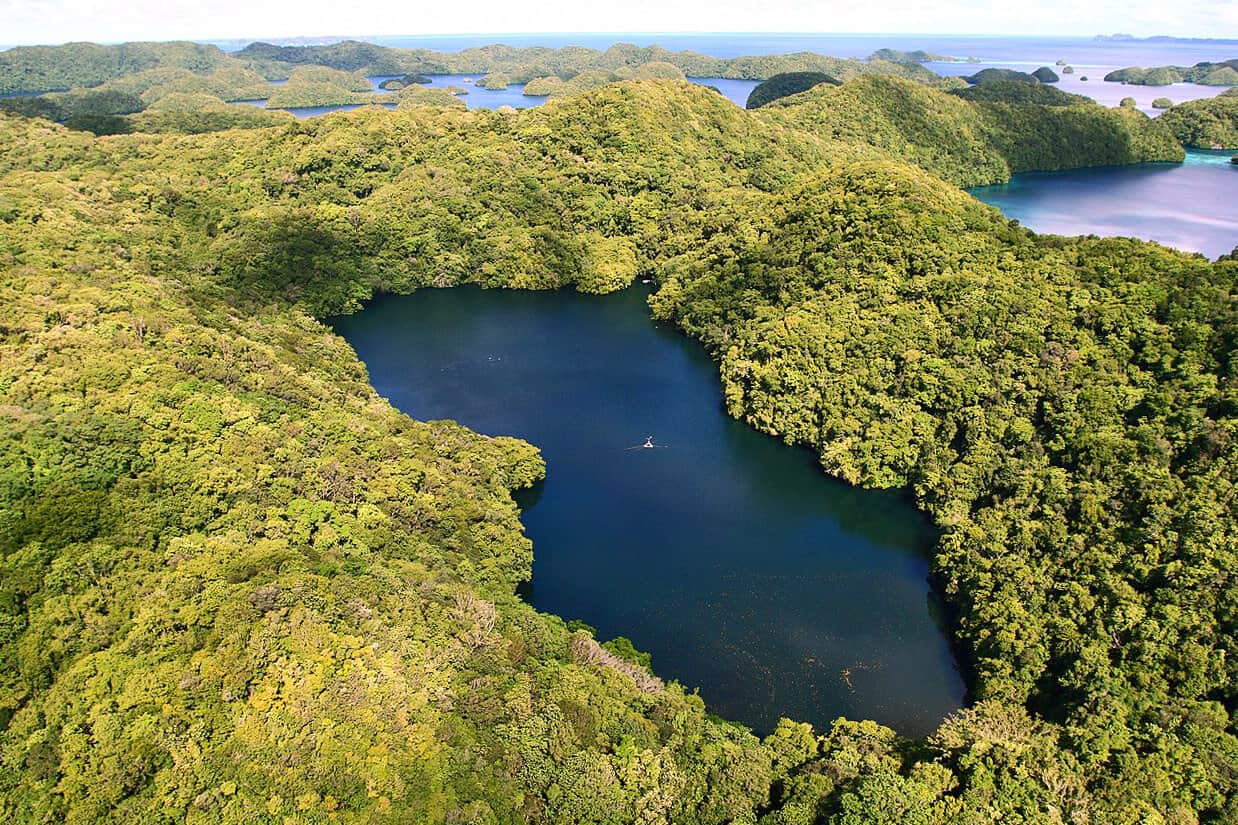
x=1223 y=73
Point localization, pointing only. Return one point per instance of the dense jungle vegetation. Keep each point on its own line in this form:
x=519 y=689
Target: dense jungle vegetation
x=1013 y=91
x=1224 y=73
x=238 y=586
x=82 y=65
x=785 y=85
x=94 y=87
x=914 y=56
x=972 y=142
x=1210 y=123
x=524 y=64
x=1001 y=76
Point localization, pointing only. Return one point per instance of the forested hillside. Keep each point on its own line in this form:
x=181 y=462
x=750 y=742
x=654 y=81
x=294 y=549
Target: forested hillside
x=785 y=85
x=238 y=586
x=59 y=68
x=975 y=140
x=74 y=65
x=1223 y=73
x=1211 y=123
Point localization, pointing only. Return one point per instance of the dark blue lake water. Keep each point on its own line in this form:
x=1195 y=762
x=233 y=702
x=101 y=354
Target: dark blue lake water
x=1191 y=206
x=729 y=556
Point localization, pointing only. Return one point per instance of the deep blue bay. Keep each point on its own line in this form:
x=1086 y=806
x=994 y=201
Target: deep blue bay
x=729 y=556
x=1191 y=206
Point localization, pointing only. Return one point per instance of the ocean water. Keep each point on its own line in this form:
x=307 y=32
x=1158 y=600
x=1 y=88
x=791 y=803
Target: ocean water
x=1189 y=206
x=988 y=48
x=1090 y=58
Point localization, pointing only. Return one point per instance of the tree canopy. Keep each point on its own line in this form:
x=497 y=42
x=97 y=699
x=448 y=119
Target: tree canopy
x=1002 y=76
x=785 y=85
x=60 y=68
x=237 y=586
x=973 y=143
x=1208 y=123
x=1224 y=73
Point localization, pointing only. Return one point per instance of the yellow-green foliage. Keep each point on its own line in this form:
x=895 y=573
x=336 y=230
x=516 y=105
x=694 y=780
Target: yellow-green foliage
x=495 y=80
x=1223 y=76
x=1210 y=123
x=969 y=142
x=543 y=86
x=656 y=70
x=307 y=94
x=526 y=64
x=261 y=590
x=353 y=81
x=556 y=87
x=51 y=68
x=320 y=86
x=422 y=96
x=553 y=86
x=228 y=83
x=608 y=264
x=89 y=102
x=140 y=82
x=196 y=113
x=47 y=68
x=1224 y=73
x=237 y=586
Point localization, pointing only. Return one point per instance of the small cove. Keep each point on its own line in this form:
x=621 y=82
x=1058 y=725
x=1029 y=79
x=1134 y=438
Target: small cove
x=1189 y=206
x=729 y=556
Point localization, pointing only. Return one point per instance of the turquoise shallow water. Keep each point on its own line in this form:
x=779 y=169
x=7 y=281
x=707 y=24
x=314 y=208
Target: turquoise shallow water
x=728 y=555
x=1191 y=206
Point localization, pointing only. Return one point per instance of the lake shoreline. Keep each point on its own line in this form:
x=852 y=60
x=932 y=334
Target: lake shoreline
x=558 y=570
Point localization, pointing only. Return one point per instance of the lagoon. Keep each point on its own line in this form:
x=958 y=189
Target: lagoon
x=1190 y=206
x=1090 y=57
x=729 y=556
x=478 y=98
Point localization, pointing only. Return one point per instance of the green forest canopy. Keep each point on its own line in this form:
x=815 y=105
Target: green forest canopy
x=1209 y=123
x=104 y=83
x=1223 y=73
x=60 y=68
x=971 y=143
x=785 y=85
x=238 y=586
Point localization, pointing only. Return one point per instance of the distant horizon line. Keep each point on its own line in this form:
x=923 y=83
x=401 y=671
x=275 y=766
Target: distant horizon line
x=1118 y=38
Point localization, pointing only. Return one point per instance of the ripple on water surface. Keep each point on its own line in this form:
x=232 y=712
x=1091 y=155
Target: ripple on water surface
x=726 y=554
x=1191 y=206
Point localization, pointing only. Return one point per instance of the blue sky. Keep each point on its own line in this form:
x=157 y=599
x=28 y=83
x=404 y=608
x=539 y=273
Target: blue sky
x=56 y=21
